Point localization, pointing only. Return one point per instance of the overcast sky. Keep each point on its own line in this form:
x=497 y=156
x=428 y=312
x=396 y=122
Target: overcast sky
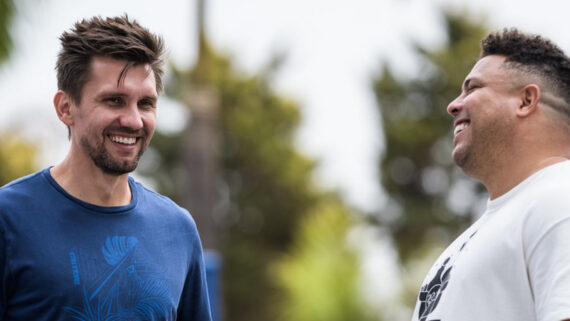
x=334 y=47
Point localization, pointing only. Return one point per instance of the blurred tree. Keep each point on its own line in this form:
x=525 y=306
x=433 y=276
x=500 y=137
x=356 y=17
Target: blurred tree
x=16 y=155
x=7 y=11
x=265 y=186
x=16 y=158
x=321 y=273
x=431 y=200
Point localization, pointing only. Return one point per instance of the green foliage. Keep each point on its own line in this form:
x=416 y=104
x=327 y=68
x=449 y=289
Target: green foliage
x=7 y=11
x=16 y=155
x=259 y=164
x=321 y=272
x=417 y=169
x=269 y=189
x=16 y=158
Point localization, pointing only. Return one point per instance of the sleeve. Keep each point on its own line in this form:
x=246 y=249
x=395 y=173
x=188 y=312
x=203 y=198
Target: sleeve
x=194 y=304
x=3 y=273
x=547 y=238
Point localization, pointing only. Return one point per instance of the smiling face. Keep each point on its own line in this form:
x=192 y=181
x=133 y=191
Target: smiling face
x=115 y=120
x=483 y=116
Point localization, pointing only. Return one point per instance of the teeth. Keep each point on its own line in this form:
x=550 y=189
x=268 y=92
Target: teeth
x=460 y=128
x=124 y=140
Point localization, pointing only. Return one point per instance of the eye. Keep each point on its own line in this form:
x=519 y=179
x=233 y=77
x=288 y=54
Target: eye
x=147 y=103
x=471 y=88
x=114 y=101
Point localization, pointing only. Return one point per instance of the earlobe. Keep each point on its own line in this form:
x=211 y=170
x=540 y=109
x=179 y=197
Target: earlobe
x=62 y=103
x=530 y=99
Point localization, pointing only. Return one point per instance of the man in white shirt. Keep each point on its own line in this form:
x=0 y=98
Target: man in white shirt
x=512 y=133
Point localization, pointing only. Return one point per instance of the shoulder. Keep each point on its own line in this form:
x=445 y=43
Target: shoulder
x=166 y=215
x=21 y=196
x=21 y=187
x=22 y=181
x=545 y=203
x=153 y=202
x=548 y=186
x=147 y=195
x=551 y=189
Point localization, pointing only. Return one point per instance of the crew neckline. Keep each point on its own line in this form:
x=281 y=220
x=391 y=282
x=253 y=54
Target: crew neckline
x=493 y=205
x=95 y=208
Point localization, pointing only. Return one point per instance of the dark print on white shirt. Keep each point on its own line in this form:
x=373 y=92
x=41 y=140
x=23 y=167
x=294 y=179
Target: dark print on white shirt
x=431 y=293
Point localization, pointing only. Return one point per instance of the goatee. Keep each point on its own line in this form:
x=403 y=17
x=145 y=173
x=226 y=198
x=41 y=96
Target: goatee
x=102 y=159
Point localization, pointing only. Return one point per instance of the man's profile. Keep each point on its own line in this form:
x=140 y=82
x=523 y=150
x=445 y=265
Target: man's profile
x=512 y=133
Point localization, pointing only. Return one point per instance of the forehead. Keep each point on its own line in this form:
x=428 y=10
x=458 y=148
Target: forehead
x=488 y=68
x=110 y=73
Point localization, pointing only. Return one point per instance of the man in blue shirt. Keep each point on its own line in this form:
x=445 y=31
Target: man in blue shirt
x=82 y=240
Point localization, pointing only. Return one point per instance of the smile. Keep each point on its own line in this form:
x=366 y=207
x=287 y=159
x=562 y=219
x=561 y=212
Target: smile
x=460 y=127
x=124 y=140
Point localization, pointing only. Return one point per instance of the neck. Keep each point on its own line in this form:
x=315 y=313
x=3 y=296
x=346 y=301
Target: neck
x=503 y=179
x=90 y=184
x=538 y=141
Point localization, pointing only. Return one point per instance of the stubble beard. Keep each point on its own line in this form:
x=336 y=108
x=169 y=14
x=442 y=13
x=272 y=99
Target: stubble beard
x=485 y=151
x=104 y=161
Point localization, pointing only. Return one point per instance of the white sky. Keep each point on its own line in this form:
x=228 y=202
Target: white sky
x=333 y=47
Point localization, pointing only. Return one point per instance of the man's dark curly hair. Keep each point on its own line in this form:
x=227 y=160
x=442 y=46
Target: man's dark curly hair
x=535 y=55
x=118 y=38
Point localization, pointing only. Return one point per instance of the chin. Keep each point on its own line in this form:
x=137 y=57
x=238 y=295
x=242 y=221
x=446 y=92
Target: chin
x=458 y=159
x=115 y=167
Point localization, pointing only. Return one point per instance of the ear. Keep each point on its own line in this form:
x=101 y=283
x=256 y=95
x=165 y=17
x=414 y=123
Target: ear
x=530 y=99
x=63 y=103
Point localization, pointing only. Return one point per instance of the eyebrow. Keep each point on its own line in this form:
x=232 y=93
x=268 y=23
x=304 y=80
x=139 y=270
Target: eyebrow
x=120 y=94
x=466 y=83
x=154 y=99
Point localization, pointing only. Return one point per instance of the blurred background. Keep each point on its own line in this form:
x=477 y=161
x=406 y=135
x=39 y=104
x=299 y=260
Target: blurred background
x=308 y=138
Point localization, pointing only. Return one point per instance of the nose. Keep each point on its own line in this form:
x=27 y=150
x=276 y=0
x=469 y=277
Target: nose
x=131 y=117
x=455 y=106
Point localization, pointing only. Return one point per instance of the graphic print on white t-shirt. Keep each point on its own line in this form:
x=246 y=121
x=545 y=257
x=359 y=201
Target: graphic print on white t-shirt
x=431 y=292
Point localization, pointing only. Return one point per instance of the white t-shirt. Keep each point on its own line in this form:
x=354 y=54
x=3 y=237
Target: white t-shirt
x=513 y=263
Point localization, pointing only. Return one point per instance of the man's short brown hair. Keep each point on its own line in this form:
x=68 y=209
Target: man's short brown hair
x=119 y=38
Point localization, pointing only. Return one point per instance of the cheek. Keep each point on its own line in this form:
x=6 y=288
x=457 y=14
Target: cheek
x=477 y=99
x=149 y=122
x=471 y=104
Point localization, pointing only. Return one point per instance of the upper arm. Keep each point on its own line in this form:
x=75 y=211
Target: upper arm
x=548 y=265
x=3 y=273
x=194 y=303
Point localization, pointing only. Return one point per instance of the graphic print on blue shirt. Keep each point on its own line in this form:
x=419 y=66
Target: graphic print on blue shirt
x=117 y=284
x=431 y=293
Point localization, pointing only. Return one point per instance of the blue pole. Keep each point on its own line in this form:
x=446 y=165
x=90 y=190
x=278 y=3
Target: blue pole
x=213 y=262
